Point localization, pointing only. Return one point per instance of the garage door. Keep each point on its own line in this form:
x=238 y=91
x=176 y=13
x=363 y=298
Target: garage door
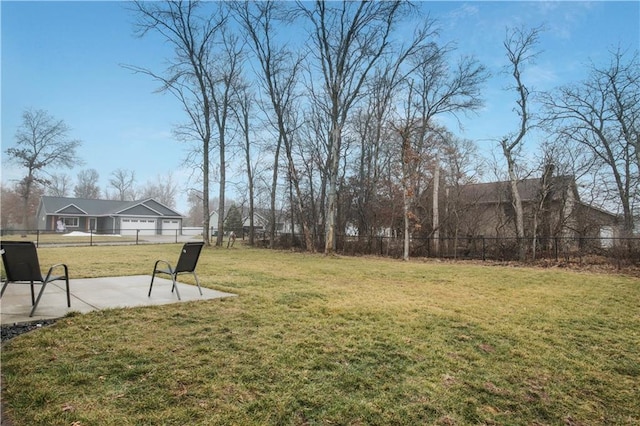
x=170 y=226
x=130 y=226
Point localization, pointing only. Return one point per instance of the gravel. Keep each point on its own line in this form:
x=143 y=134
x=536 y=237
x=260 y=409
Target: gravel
x=9 y=331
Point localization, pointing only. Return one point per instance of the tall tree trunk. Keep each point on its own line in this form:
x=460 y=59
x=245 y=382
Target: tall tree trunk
x=274 y=192
x=516 y=201
x=407 y=189
x=221 y=192
x=518 y=44
x=332 y=202
x=26 y=192
x=299 y=206
x=206 y=212
x=436 y=211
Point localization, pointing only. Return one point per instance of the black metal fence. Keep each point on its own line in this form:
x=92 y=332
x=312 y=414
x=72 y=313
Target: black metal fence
x=616 y=250
x=613 y=250
x=93 y=238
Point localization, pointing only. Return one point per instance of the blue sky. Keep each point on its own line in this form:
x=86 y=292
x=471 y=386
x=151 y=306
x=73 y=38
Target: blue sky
x=64 y=57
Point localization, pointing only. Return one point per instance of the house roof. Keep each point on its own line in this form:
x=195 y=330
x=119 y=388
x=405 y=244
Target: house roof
x=499 y=192
x=91 y=207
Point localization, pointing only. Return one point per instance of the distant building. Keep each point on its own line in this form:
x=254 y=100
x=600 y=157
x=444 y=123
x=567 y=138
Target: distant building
x=261 y=221
x=144 y=217
x=486 y=209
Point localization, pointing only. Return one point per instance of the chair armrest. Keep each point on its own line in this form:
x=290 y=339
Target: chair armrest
x=155 y=267
x=64 y=266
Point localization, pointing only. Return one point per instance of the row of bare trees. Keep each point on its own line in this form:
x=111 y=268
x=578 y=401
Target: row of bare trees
x=340 y=104
x=333 y=112
x=305 y=96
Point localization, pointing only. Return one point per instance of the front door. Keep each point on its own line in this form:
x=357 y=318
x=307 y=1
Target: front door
x=93 y=224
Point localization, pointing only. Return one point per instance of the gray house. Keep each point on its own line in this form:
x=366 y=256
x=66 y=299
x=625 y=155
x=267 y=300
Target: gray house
x=142 y=217
x=486 y=209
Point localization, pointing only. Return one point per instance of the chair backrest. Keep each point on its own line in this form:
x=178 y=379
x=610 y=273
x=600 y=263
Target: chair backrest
x=189 y=257
x=20 y=259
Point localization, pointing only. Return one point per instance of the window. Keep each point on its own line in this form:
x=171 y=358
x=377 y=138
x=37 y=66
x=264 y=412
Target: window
x=606 y=237
x=70 y=222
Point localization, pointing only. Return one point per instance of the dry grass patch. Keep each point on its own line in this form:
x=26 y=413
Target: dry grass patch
x=334 y=340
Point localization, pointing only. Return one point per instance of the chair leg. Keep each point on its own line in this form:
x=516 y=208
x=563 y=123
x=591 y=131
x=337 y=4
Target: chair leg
x=151 y=285
x=175 y=286
x=68 y=292
x=197 y=282
x=4 y=287
x=35 y=305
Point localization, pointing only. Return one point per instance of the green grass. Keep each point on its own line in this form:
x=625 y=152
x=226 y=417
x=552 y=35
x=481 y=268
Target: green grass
x=334 y=340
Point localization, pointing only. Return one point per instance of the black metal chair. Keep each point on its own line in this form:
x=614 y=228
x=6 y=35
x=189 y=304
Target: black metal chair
x=186 y=265
x=21 y=266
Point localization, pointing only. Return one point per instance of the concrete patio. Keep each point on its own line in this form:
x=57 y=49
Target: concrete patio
x=91 y=294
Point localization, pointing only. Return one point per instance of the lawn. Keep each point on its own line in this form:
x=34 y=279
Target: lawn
x=335 y=340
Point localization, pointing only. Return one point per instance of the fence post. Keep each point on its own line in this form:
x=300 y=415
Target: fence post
x=137 y=232
x=484 y=249
x=555 y=248
x=176 y=236
x=37 y=241
x=90 y=237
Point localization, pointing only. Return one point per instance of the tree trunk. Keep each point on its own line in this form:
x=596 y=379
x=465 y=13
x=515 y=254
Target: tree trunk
x=332 y=204
x=206 y=213
x=436 y=212
x=274 y=188
x=517 y=206
x=221 y=193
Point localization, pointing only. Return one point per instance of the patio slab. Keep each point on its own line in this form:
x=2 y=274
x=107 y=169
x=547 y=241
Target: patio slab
x=90 y=294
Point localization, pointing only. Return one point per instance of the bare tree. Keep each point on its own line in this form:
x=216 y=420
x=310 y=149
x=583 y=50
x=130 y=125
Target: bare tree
x=433 y=89
x=224 y=81
x=410 y=160
x=461 y=166
x=122 y=181
x=87 y=185
x=519 y=45
x=278 y=75
x=442 y=89
x=194 y=202
x=602 y=114
x=11 y=208
x=349 y=38
x=371 y=122
x=163 y=190
x=42 y=142
x=59 y=185
x=242 y=110
x=189 y=74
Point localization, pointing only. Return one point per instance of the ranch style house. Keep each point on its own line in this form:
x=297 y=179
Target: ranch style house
x=142 y=217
